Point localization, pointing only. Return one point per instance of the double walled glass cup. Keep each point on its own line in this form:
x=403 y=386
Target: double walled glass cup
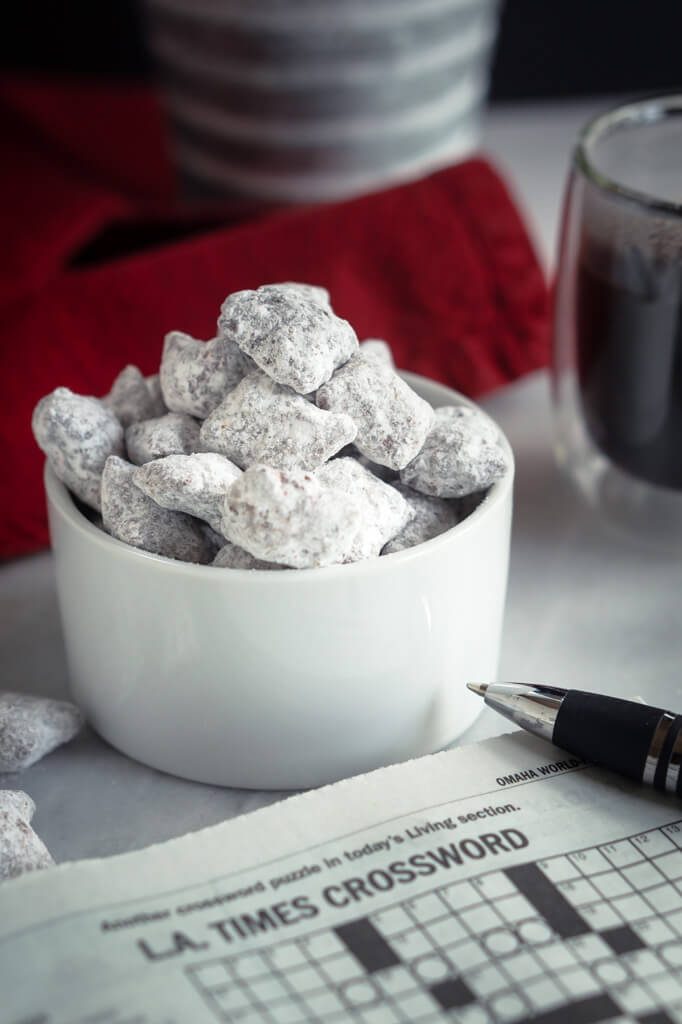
x=617 y=369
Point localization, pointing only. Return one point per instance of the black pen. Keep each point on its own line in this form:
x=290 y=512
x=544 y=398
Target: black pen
x=635 y=740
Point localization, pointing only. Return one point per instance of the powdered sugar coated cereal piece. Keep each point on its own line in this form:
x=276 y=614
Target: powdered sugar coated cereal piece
x=195 y=375
x=391 y=418
x=432 y=516
x=260 y=421
x=461 y=454
x=290 y=518
x=195 y=484
x=176 y=433
x=31 y=727
x=384 y=511
x=232 y=557
x=130 y=398
x=21 y=849
x=132 y=517
x=78 y=434
x=378 y=348
x=294 y=338
x=159 y=407
x=315 y=292
x=17 y=802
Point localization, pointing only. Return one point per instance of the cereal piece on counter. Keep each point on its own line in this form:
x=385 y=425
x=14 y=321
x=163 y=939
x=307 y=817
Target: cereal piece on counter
x=195 y=375
x=130 y=398
x=195 y=484
x=31 y=727
x=391 y=418
x=260 y=421
x=232 y=557
x=21 y=849
x=132 y=517
x=78 y=434
x=461 y=454
x=17 y=802
x=378 y=348
x=432 y=516
x=159 y=407
x=384 y=511
x=295 y=339
x=176 y=433
x=289 y=517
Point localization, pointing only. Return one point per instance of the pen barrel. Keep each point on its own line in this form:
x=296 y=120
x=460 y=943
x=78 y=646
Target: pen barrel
x=632 y=739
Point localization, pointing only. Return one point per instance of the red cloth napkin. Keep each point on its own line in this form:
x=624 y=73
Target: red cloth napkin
x=442 y=268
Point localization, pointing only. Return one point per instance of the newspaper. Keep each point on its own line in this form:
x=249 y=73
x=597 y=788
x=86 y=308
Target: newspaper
x=504 y=881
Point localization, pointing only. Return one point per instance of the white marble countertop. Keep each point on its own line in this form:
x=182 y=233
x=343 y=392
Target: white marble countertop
x=586 y=607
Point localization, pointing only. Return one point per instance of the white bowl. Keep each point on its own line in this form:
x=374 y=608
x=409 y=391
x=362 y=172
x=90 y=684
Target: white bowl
x=282 y=679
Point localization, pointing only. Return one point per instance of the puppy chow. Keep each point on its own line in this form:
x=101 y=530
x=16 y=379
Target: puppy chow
x=291 y=518
x=378 y=348
x=262 y=422
x=461 y=455
x=176 y=433
x=131 y=398
x=384 y=511
x=159 y=407
x=78 y=434
x=18 y=802
x=21 y=849
x=293 y=337
x=314 y=292
x=31 y=727
x=285 y=390
x=195 y=484
x=431 y=517
x=392 y=420
x=195 y=375
x=130 y=516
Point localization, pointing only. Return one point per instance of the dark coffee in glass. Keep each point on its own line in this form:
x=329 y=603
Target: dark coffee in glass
x=629 y=336
x=617 y=371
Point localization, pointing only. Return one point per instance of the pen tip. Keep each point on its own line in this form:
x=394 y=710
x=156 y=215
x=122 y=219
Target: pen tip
x=479 y=688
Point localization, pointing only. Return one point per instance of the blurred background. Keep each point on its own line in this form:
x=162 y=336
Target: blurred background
x=299 y=101
x=545 y=49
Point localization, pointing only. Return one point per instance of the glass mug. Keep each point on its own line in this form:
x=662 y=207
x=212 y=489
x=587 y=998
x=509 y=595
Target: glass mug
x=617 y=367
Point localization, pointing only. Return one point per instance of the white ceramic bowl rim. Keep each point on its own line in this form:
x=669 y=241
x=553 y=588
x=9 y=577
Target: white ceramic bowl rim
x=63 y=501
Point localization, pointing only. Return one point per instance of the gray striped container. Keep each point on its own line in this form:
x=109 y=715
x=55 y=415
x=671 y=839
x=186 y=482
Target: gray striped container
x=310 y=100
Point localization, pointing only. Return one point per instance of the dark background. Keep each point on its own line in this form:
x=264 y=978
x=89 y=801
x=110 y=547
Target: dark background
x=546 y=47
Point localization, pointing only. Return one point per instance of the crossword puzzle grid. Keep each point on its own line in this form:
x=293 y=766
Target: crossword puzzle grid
x=593 y=935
